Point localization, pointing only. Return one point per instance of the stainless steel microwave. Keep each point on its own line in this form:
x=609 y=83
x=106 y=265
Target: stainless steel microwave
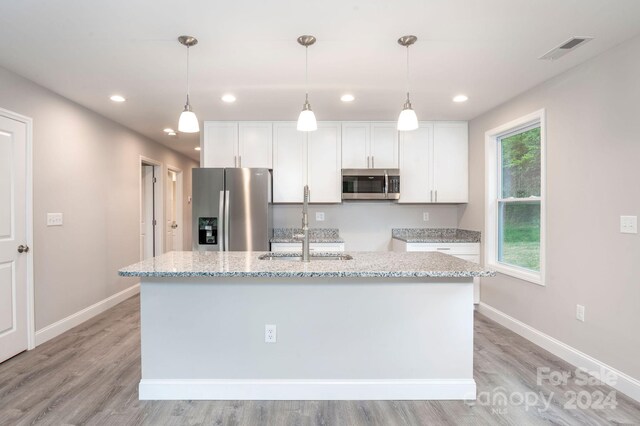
x=370 y=184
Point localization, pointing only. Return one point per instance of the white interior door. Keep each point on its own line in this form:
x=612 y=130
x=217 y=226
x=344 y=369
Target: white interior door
x=146 y=217
x=13 y=265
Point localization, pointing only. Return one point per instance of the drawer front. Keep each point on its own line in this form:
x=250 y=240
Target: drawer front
x=313 y=247
x=448 y=248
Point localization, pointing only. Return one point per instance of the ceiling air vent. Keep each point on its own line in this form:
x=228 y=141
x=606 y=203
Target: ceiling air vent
x=572 y=44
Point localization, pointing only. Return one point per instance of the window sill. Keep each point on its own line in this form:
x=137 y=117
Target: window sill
x=519 y=273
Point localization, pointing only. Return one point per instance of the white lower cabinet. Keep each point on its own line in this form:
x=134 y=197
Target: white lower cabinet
x=465 y=251
x=313 y=247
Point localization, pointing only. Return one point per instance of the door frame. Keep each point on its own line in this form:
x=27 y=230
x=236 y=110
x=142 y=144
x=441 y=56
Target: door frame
x=159 y=201
x=31 y=318
x=179 y=197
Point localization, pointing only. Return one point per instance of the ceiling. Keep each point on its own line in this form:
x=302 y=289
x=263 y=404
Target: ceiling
x=488 y=50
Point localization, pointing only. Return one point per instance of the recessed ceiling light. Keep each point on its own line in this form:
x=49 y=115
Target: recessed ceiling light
x=197 y=148
x=117 y=98
x=171 y=133
x=169 y=130
x=228 y=98
x=347 y=98
x=460 y=98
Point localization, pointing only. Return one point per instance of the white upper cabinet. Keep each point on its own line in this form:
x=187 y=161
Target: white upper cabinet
x=415 y=165
x=289 y=163
x=255 y=144
x=451 y=162
x=369 y=145
x=220 y=144
x=384 y=146
x=434 y=163
x=307 y=158
x=324 y=175
x=237 y=144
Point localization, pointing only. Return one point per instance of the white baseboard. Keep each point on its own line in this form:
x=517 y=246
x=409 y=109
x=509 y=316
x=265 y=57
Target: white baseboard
x=623 y=382
x=65 y=324
x=228 y=389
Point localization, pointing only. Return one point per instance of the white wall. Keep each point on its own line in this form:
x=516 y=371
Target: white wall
x=86 y=167
x=366 y=226
x=593 y=154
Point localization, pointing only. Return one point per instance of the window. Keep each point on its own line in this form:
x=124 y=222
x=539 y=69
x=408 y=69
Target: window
x=515 y=204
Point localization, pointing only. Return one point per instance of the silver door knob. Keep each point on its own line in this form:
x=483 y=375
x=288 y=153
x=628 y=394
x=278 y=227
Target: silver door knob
x=174 y=225
x=23 y=249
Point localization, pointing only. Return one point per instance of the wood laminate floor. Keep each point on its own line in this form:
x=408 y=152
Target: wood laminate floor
x=89 y=376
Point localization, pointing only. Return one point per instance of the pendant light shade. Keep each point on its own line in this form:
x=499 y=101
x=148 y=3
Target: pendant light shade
x=307 y=119
x=407 y=120
x=188 y=122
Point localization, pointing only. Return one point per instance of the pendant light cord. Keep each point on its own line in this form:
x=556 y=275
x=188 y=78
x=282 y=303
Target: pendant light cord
x=306 y=73
x=407 y=79
x=187 y=75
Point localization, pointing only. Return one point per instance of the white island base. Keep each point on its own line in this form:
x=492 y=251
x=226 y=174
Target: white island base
x=337 y=338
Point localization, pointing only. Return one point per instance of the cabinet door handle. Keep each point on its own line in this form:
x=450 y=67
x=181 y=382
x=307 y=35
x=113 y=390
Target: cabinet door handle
x=436 y=195
x=368 y=162
x=443 y=248
x=373 y=162
x=235 y=161
x=240 y=161
x=431 y=196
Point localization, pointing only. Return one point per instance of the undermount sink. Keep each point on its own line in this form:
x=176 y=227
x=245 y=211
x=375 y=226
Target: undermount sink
x=298 y=258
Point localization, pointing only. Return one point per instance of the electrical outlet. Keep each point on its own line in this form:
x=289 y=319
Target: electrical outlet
x=54 y=219
x=319 y=216
x=425 y=216
x=629 y=224
x=580 y=313
x=270 y=335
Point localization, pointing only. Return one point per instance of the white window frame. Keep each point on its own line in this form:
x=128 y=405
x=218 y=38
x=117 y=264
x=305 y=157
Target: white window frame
x=492 y=176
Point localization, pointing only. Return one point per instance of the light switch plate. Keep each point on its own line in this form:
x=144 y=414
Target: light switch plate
x=54 y=219
x=629 y=224
x=319 y=216
x=425 y=216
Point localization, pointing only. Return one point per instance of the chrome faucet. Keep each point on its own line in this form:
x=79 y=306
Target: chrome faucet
x=305 y=225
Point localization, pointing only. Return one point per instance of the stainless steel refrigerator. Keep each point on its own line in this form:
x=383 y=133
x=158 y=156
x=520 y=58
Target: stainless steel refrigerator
x=232 y=209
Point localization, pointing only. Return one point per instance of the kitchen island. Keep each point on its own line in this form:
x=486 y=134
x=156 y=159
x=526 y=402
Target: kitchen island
x=382 y=325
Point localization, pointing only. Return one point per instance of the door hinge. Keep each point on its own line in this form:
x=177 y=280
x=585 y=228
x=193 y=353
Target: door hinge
x=155 y=180
x=154 y=222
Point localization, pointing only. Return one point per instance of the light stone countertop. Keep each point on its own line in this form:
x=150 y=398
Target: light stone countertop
x=363 y=264
x=316 y=235
x=435 y=235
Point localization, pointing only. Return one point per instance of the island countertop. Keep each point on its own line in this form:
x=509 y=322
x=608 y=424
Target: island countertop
x=248 y=264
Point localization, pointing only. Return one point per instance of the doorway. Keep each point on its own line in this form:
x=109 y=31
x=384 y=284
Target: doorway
x=150 y=208
x=16 y=238
x=173 y=241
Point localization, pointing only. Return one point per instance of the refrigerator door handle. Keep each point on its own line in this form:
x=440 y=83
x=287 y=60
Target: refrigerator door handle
x=220 y=220
x=226 y=221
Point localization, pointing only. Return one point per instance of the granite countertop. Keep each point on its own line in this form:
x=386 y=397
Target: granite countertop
x=316 y=235
x=363 y=264
x=435 y=235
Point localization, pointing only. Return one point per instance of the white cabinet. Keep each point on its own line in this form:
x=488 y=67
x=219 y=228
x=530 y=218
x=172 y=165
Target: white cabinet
x=313 y=247
x=465 y=251
x=369 y=145
x=219 y=144
x=434 y=163
x=324 y=175
x=415 y=165
x=311 y=158
x=289 y=163
x=255 y=144
x=237 y=144
x=451 y=162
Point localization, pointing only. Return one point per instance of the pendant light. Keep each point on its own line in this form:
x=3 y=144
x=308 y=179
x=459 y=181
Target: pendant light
x=407 y=119
x=188 y=122
x=307 y=119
